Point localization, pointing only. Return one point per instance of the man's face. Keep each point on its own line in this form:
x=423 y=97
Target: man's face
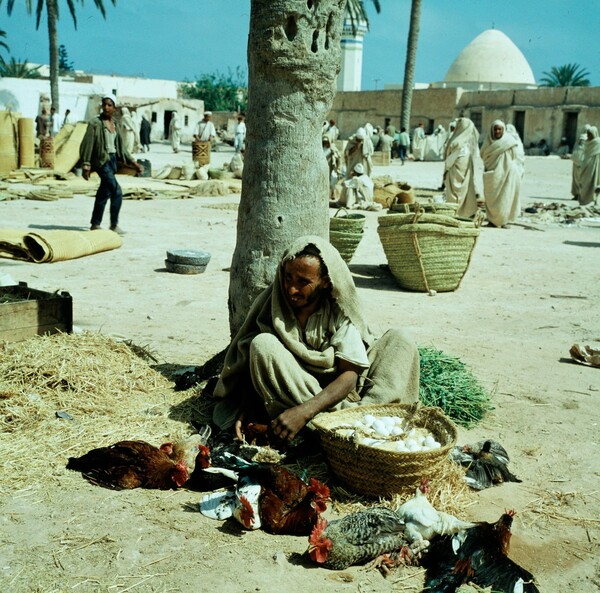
x=207 y=118
x=498 y=132
x=302 y=281
x=108 y=108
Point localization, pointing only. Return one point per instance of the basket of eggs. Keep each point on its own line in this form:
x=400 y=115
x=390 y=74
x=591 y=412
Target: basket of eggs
x=382 y=450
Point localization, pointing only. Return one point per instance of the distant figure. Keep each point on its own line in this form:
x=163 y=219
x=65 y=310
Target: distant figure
x=503 y=170
x=332 y=131
x=128 y=129
x=66 y=119
x=385 y=143
x=175 y=132
x=589 y=173
x=418 y=142
x=41 y=124
x=54 y=125
x=145 y=129
x=358 y=150
x=463 y=168
x=543 y=146
x=334 y=163
x=205 y=129
x=577 y=158
x=434 y=145
x=403 y=144
x=240 y=133
x=101 y=148
x=563 y=149
x=358 y=191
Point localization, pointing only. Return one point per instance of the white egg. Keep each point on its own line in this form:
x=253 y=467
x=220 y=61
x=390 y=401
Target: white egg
x=358 y=424
x=388 y=421
x=378 y=426
x=400 y=446
x=411 y=443
x=368 y=419
x=429 y=440
x=412 y=433
x=397 y=419
x=396 y=431
x=435 y=445
x=415 y=448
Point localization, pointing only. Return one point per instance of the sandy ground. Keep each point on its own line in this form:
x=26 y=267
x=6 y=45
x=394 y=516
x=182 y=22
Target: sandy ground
x=526 y=298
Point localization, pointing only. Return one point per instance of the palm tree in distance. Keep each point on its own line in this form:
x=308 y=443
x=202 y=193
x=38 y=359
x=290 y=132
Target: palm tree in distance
x=567 y=75
x=3 y=43
x=52 y=13
x=18 y=69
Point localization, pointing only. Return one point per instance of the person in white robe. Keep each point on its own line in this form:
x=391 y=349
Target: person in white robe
x=358 y=150
x=128 y=127
x=357 y=192
x=418 y=142
x=577 y=158
x=589 y=173
x=463 y=169
x=175 y=132
x=503 y=170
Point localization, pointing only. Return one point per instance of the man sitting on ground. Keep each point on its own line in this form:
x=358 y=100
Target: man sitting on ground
x=305 y=348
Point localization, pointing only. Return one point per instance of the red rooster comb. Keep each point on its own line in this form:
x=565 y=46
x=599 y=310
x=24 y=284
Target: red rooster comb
x=319 y=488
x=319 y=545
x=246 y=512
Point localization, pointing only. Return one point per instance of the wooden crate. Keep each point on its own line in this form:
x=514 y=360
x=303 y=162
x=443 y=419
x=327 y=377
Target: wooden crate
x=26 y=312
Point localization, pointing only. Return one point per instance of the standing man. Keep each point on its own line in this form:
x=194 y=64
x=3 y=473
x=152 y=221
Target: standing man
x=418 y=142
x=101 y=148
x=240 y=133
x=54 y=123
x=205 y=129
x=41 y=124
x=403 y=144
x=175 y=132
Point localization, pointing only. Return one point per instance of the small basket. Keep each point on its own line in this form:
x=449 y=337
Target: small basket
x=428 y=251
x=376 y=472
x=346 y=232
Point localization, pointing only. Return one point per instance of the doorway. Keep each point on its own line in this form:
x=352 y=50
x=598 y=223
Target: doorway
x=519 y=123
x=570 y=128
x=168 y=116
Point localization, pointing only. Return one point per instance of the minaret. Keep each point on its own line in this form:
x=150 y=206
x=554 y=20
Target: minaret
x=349 y=78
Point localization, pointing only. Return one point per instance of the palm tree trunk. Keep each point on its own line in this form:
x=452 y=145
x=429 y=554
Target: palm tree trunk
x=293 y=62
x=52 y=9
x=411 y=59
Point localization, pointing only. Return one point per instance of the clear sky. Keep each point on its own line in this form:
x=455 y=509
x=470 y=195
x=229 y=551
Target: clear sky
x=179 y=39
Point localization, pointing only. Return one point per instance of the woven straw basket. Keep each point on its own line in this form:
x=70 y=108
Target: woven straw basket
x=428 y=251
x=345 y=232
x=380 y=473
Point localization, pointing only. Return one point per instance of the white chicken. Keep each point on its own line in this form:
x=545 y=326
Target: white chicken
x=423 y=521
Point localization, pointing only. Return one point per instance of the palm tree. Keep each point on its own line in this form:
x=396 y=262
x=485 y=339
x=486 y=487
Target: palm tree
x=17 y=69
x=3 y=43
x=567 y=75
x=52 y=13
x=411 y=60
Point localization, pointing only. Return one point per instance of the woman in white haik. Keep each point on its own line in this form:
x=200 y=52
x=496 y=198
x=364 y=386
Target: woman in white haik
x=503 y=169
x=463 y=168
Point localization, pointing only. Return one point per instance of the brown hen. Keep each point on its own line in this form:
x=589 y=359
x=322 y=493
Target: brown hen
x=131 y=464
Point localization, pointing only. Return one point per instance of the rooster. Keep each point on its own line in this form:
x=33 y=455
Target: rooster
x=477 y=555
x=286 y=504
x=486 y=463
x=138 y=464
x=423 y=521
x=356 y=538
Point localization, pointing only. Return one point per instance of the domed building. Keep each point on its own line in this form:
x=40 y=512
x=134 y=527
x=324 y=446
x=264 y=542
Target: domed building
x=490 y=62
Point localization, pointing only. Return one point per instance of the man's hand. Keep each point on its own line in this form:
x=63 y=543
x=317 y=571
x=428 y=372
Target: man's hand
x=289 y=423
x=85 y=172
x=139 y=168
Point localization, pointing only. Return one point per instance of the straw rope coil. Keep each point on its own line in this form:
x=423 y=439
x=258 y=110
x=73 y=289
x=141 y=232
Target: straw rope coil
x=377 y=472
x=445 y=208
x=346 y=232
x=428 y=251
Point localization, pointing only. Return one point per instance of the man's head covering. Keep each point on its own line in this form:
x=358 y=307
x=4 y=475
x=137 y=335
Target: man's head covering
x=361 y=133
x=208 y=113
x=111 y=97
x=359 y=169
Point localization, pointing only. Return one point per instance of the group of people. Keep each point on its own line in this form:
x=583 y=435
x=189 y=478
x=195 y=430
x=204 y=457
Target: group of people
x=48 y=123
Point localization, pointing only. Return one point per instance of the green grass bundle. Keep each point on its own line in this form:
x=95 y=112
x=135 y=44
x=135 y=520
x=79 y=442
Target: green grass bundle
x=446 y=382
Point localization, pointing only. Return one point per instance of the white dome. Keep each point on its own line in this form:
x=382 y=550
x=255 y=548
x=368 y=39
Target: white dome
x=491 y=58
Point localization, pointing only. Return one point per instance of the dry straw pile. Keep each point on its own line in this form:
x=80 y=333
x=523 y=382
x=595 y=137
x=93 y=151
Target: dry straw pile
x=110 y=393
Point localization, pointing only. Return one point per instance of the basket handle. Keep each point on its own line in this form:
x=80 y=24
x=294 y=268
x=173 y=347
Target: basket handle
x=419 y=210
x=479 y=218
x=340 y=210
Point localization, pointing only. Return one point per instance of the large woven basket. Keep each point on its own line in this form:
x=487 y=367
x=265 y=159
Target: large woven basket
x=428 y=251
x=376 y=472
x=346 y=232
